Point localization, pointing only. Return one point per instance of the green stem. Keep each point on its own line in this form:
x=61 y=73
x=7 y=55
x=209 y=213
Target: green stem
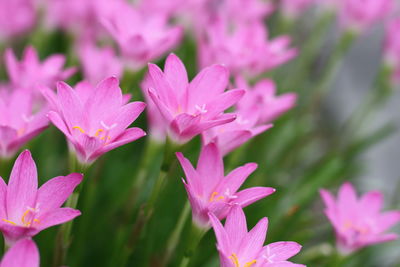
x=175 y=236
x=147 y=209
x=196 y=234
x=64 y=237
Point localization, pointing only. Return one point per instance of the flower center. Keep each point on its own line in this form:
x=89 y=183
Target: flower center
x=213 y=197
x=235 y=260
x=27 y=218
x=100 y=133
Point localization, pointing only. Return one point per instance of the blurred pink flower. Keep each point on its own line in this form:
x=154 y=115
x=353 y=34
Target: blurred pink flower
x=16 y=18
x=263 y=97
x=358 y=15
x=294 y=8
x=243 y=49
x=19 y=120
x=210 y=191
x=238 y=247
x=30 y=72
x=24 y=253
x=94 y=119
x=191 y=108
x=392 y=46
x=99 y=63
x=255 y=111
x=140 y=37
x=26 y=210
x=358 y=222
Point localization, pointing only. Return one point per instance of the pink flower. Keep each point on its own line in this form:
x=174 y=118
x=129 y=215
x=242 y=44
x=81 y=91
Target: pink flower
x=23 y=254
x=358 y=222
x=95 y=119
x=19 y=123
x=392 y=46
x=358 y=15
x=244 y=49
x=209 y=191
x=16 y=17
x=27 y=210
x=99 y=63
x=238 y=247
x=263 y=97
x=294 y=8
x=140 y=37
x=191 y=108
x=30 y=72
x=255 y=111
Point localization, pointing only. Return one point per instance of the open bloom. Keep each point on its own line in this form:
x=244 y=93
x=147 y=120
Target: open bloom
x=26 y=210
x=255 y=112
x=18 y=121
x=392 y=46
x=23 y=254
x=99 y=63
x=95 y=119
x=358 y=15
x=210 y=191
x=358 y=222
x=244 y=48
x=141 y=38
x=30 y=72
x=237 y=247
x=191 y=108
x=16 y=17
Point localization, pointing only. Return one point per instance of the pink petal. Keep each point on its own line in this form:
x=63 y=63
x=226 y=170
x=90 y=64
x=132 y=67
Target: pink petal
x=371 y=202
x=55 y=192
x=127 y=136
x=207 y=85
x=251 y=195
x=55 y=217
x=125 y=116
x=71 y=107
x=192 y=177
x=236 y=226
x=234 y=180
x=254 y=240
x=210 y=167
x=387 y=220
x=3 y=194
x=164 y=110
x=18 y=142
x=24 y=253
x=56 y=119
x=175 y=73
x=223 y=102
x=11 y=64
x=220 y=233
x=162 y=87
x=282 y=250
x=22 y=187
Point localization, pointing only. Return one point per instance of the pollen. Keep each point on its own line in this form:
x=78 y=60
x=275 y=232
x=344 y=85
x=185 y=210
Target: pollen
x=79 y=128
x=248 y=264
x=8 y=221
x=213 y=195
x=234 y=259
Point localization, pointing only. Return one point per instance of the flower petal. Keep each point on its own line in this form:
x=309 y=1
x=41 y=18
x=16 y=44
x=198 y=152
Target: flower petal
x=23 y=254
x=281 y=251
x=251 y=195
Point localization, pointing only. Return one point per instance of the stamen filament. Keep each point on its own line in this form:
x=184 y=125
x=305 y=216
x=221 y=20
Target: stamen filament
x=8 y=221
x=234 y=259
x=79 y=128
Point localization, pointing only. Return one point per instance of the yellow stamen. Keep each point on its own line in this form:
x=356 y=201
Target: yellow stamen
x=98 y=132
x=36 y=220
x=234 y=259
x=248 y=264
x=23 y=218
x=10 y=222
x=79 y=128
x=213 y=195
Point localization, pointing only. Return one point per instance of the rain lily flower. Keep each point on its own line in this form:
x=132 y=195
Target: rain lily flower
x=99 y=63
x=294 y=8
x=30 y=72
x=23 y=254
x=255 y=112
x=19 y=123
x=358 y=15
x=358 y=222
x=189 y=109
x=237 y=247
x=16 y=18
x=210 y=191
x=26 y=210
x=392 y=46
x=95 y=119
x=244 y=48
x=263 y=96
x=141 y=38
